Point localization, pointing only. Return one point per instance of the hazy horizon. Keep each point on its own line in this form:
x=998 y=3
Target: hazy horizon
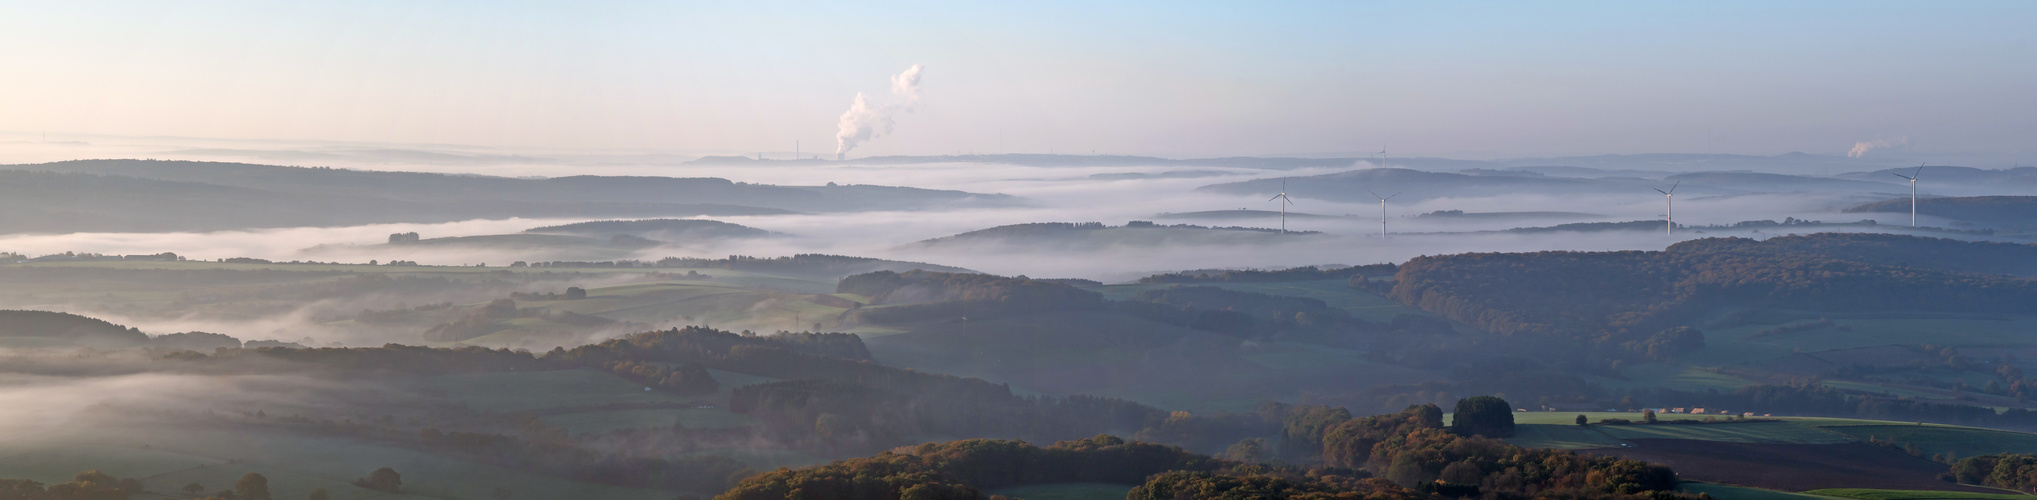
x=1174 y=80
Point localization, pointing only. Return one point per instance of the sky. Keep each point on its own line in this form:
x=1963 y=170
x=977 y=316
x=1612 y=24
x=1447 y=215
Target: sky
x=1173 y=79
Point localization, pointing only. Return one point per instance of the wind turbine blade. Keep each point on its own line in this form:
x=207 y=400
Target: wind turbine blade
x=1919 y=172
x=1659 y=190
x=1391 y=197
x=1672 y=187
x=1277 y=196
x=1374 y=195
x=1899 y=175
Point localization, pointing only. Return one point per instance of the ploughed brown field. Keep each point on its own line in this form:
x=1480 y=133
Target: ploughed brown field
x=1791 y=467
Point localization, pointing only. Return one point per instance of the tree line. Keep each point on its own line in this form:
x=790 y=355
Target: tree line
x=1611 y=302
x=1406 y=455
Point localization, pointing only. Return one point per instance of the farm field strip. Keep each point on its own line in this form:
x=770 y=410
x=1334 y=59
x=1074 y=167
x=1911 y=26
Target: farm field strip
x=1874 y=494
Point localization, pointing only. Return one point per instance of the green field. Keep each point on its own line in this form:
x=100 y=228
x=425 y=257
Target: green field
x=1570 y=417
x=1870 y=494
x=1572 y=436
x=1750 y=432
x=524 y=391
x=1559 y=430
x=1960 y=441
x=1725 y=492
x=1066 y=491
x=1562 y=437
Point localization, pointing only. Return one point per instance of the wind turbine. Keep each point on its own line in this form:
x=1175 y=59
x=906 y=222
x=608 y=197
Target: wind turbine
x=1284 y=202
x=1669 y=217
x=1913 y=191
x=1382 y=211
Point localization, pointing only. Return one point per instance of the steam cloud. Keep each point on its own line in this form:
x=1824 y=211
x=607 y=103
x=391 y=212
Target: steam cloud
x=863 y=121
x=1863 y=147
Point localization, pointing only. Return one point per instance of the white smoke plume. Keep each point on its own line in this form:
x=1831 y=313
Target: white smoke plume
x=864 y=122
x=1864 y=147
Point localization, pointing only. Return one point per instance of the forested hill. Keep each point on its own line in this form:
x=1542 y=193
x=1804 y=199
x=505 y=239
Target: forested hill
x=95 y=195
x=65 y=325
x=1409 y=455
x=1889 y=249
x=1098 y=235
x=2014 y=213
x=696 y=228
x=1611 y=298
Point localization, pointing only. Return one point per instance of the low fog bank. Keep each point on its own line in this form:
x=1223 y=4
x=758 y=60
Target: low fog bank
x=1113 y=195
x=1112 y=202
x=57 y=407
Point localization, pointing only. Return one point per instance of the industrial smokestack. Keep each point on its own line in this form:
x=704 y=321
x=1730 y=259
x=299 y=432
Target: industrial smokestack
x=863 y=121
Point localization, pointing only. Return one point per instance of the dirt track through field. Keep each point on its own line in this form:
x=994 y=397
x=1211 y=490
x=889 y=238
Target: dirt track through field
x=1791 y=467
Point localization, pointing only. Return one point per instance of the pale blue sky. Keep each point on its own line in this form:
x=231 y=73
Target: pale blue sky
x=1468 y=79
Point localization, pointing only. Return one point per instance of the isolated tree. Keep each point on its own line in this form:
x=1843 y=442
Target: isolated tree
x=1249 y=450
x=1583 y=421
x=1483 y=416
x=575 y=293
x=194 y=489
x=1648 y=416
x=1426 y=415
x=252 y=487
x=318 y=494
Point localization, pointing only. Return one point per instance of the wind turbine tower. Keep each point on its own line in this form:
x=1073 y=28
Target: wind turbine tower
x=1284 y=202
x=1669 y=215
x=1382 y=211
x=1913 y=192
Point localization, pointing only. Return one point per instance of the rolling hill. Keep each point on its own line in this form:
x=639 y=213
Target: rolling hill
x=1083 y=235
x=655 y=229
x=140 y=195
x=2006 y=213
x=1352 y=186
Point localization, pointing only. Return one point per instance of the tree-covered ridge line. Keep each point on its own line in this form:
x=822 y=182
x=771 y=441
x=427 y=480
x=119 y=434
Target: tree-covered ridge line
x=806 y=263
x=198 y=195
x=921 y=296
x=1607 y=299
x=1264 y=276
x=1406 y=455
x=2016 y=213
x=690 y=227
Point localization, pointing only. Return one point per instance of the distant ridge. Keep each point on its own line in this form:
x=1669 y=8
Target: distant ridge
x=2013 y=213
x=149 y=195
x=1096 y=234
x=699 y=228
